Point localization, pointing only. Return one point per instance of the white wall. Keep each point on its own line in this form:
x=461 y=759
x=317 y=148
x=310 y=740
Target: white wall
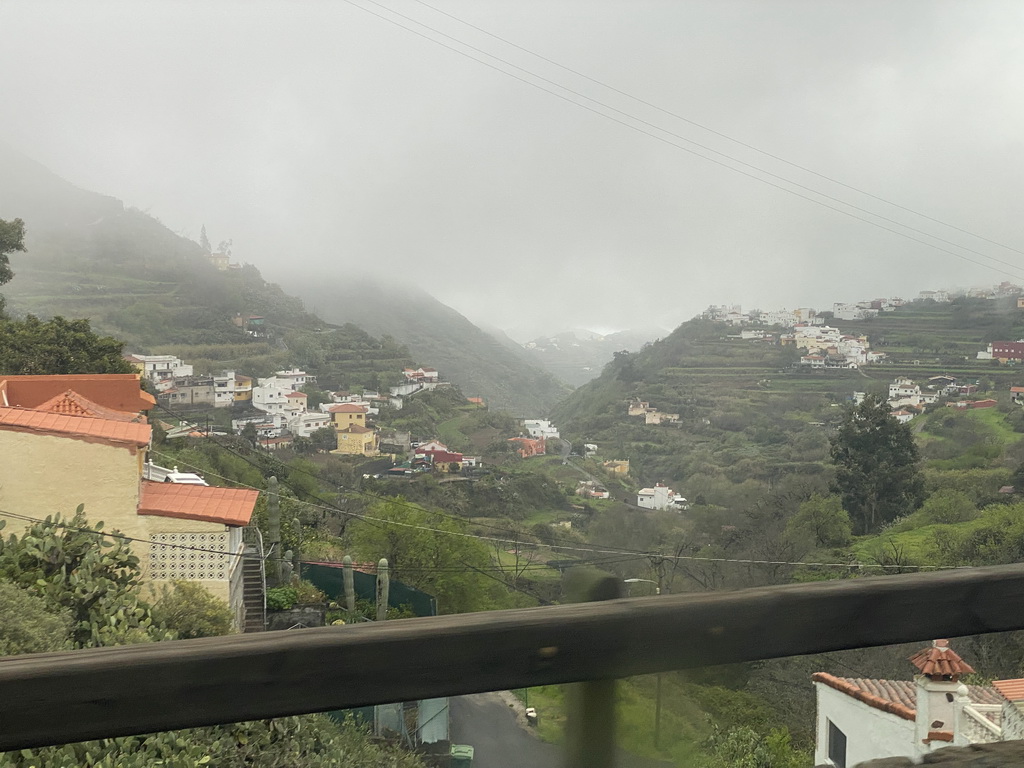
x=870 y=732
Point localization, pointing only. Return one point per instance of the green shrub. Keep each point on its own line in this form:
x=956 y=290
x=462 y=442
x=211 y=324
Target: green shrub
x=188 y=610
x=28 y=624
x=281 y=598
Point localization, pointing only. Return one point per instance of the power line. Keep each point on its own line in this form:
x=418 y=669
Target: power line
x=720 y=134
x=639 y=129
x=339 y=488
x=629 y=554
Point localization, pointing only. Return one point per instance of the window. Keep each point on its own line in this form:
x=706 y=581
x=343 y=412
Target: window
x=836 y=746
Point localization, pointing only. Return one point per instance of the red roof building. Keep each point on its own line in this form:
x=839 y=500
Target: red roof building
x=116 y=391
x=74 y=449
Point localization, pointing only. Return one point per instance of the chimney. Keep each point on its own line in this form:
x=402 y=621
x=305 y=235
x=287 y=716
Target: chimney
x=938 y=688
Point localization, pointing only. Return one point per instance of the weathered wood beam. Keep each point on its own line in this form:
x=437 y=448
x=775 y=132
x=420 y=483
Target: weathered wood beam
x=62 y=697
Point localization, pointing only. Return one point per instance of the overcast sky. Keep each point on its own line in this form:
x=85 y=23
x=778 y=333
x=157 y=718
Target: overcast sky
x=323 y=139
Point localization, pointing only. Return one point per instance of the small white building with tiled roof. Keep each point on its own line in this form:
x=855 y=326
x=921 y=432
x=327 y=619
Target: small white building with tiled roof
x=860 y=719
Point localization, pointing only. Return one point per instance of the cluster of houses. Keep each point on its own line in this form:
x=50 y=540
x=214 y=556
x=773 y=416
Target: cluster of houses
x=861 y=310
x=278 y=407
x=638 y=407
x=907 y=399
x=860 y=719
x=828 y=347
x=434 y=455
x=1004 y=290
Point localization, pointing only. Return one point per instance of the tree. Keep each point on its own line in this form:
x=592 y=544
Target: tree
x=430 y=552
x=823 y=520
x=876 y=461
x=204 y=241
x=12 y=238
x=250 y=435
x=57 y=346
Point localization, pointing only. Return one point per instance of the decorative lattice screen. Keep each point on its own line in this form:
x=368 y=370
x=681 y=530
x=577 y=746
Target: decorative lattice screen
x=189 y=556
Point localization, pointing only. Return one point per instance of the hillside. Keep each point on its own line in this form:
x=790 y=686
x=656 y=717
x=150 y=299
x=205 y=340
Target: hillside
x=748 y=417
x=481 y=365
x=90 y=256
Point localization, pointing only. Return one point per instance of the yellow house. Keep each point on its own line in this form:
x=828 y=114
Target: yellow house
x=66 y=450
x=617 y=466
x=347 y=415
x=243 y=389
x=357 y=440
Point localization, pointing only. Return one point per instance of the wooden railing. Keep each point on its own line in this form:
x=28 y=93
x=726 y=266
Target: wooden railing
x=62 y=697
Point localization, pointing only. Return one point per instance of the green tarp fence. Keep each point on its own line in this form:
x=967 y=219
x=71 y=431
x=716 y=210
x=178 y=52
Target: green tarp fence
x=330 y=579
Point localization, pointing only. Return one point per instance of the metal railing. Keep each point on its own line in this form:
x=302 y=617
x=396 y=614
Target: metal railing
x=71 y=696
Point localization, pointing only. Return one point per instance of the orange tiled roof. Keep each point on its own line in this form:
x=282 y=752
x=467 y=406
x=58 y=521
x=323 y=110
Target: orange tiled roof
x=127 y=433
x=117 y=391
x=70 y=403
x=347 y=408
x=1012 y=690
x=230 y=506
x=898 y=697
x=939 y=660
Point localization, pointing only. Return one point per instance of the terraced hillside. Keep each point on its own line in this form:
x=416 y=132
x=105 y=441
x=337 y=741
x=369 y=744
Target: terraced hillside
x=90 y=256
x=750 y=415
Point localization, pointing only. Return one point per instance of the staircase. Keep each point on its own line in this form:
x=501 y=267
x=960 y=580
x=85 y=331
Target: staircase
x=252 y=591
x=254 y=581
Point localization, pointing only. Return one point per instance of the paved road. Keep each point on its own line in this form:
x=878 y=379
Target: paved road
x=486 y=722
x=490 y=726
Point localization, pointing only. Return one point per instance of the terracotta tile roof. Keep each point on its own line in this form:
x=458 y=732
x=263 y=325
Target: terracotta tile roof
x=117 y=391
x=230 y=506
x=296 y=394
x=1012 y=690
x=347 y=408
x=898 y=697
x=939 y=660
x=126 y=433
x=70 y=403
x=355 y=429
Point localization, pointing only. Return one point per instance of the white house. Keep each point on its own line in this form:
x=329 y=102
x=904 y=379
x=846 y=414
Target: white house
x=293 y=379
x=903 y=387
x=267 y=424
x=781 y=317
x=269 y=396
x=660 y=497
x=859 y=311
x=306 y=423
x=162 y=370
x=862 y=719
x=536 y=428
x=224 y=389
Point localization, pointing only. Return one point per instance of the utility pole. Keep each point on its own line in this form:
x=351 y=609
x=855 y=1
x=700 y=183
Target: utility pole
x=350 y=588
x=274 y=531
x=383 y=589
x=660 y=567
